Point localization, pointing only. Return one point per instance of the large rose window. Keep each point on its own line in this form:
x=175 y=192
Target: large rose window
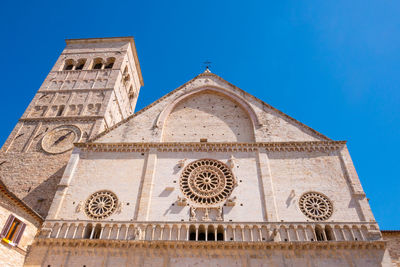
x=207 y=181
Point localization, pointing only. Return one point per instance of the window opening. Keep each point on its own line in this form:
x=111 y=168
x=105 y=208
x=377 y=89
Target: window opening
x=192 y=233
x=12 y=230
x=329 y=233
x=98 y=66
x=210 y=237
x=202 y=236
x=97 y=232
x=202 y=233
x=69 y=67
x=319 y=234
x=109 y=66
x=80 y=66
x=88 y=231
x=220 y=233
x=60 y=110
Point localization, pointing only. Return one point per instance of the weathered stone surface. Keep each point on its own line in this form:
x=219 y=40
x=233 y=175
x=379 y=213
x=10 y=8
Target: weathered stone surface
x=393 y=245
x=207 y=161
x=90 y=99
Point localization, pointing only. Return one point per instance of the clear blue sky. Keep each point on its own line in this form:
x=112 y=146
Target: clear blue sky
x=334 y=65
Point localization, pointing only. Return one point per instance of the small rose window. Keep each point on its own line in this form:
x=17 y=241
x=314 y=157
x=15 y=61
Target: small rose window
x=101 y=205
x=316 y=206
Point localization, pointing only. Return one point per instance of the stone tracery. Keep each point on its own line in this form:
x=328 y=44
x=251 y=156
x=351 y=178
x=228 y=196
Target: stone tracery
x=316 y=206
x=207 y=181
x=101 y=204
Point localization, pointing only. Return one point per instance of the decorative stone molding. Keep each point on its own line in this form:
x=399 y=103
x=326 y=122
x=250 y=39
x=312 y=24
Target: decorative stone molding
x=311 y=146
x=181 y=163
x=63 y=119
x=80 y=90
x=181 y=201
x=231 y=162
x=162 y=246
x=232 y=231
x=79 y=71
x=79 y=207
x=230 y=202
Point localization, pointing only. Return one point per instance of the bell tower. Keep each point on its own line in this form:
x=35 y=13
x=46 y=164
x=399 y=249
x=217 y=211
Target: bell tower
x=93 y=85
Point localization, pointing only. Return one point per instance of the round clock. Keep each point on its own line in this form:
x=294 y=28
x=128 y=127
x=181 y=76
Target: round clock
x=61 y=139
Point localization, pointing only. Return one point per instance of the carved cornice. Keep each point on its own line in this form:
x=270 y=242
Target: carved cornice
x=303 y=245
x=311 y=146
x=80 y=71
x=48 y=91
x=63 y=119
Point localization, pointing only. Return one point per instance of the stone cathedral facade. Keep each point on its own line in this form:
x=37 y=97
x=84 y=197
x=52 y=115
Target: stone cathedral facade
x=207 y=175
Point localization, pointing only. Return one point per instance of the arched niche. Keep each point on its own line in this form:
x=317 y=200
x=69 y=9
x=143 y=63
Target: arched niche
x=208 y=114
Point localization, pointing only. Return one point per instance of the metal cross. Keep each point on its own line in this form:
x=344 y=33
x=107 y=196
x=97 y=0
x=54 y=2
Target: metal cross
x=207 y=64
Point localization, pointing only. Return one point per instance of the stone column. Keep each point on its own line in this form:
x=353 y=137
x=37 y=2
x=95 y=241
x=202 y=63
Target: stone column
x=146 y=188
x=264 y=171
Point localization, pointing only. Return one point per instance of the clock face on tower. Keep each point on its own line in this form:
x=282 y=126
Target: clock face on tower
x=61 y=139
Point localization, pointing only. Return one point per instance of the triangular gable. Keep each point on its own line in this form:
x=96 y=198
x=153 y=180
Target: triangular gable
x=270 y=124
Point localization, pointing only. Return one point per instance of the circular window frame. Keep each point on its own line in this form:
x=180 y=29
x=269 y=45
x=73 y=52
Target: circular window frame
x=207 y=182
x=90 y=202
x=310 y=212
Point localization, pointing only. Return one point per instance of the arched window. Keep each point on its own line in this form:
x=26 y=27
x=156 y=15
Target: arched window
x=96 y=232
x=192 y=233
x=60 y=110
x=69 y=64
x=220 y=233
x=81 y=64
x=110 y=63
x=329 y=233
x=210 y=233
x=202 y=233
x=88 y=231
x=319 y=233
x=97 y=64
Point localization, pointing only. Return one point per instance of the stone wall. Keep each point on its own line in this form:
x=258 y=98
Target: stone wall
x=210 y=116
x=267 y=123
x=33 y=177
x=9 y=255
x=268 y=187
x=89 y=99
x=180 y=254
x=393 y=245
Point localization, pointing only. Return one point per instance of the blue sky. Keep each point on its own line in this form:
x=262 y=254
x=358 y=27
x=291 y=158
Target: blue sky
x=333 y=65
